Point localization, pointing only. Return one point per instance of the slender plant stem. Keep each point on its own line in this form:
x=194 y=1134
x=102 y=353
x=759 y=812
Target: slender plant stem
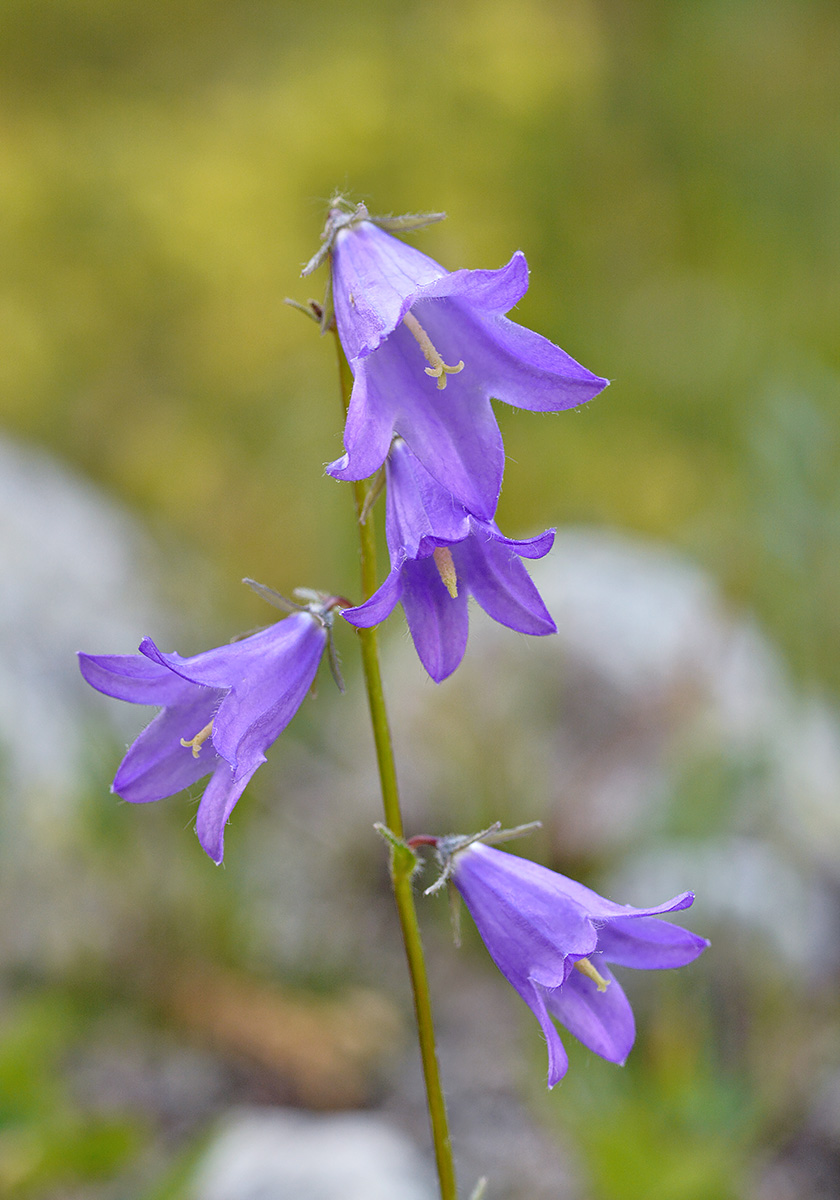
x=401 y=863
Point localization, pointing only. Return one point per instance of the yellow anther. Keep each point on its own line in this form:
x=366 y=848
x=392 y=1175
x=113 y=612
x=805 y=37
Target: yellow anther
x=585 y=967
x=437 y=368
x=198 y=741
x=446 y=569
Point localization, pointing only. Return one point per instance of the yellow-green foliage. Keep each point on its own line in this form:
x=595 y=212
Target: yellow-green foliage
x=670 y=170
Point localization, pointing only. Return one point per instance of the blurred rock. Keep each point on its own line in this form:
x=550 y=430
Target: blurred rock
x=593 y=729
x=282 y=1154
x=78 y=573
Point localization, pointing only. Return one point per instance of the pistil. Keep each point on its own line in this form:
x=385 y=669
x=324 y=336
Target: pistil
x=198 y=741
x=446 y=569
x=585 y=967
x=437 y=368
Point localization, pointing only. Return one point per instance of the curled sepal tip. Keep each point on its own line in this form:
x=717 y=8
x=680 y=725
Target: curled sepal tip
x=272 y=597
x=495 y=835
x=311 y=309
x=480 y=1189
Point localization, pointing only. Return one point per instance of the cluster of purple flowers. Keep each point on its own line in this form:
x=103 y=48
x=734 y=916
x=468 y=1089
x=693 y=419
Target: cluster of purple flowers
x=428 y=349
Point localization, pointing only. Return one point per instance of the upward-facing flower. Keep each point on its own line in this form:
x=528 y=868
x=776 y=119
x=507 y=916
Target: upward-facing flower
x=428 y=349
x=552 y=937
x=440 y=554
x=222 y=709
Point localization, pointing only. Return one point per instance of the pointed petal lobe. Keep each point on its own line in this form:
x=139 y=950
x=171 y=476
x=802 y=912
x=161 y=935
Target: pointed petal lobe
x=648 y=943
x=603 y=1021
x=438 y=622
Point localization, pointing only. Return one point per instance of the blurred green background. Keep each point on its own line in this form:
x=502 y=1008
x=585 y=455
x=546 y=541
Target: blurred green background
x=670 y=169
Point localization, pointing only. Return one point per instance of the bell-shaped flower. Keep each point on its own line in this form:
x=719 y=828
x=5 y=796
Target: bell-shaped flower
x=222 y=709
x=552 y=939
x=428 y=349
x=440 y=555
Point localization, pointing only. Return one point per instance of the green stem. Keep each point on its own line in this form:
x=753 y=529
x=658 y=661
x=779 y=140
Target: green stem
x=401 y=864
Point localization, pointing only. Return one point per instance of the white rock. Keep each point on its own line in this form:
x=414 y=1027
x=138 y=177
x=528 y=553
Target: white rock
x=77 y=575
x=283 y=1154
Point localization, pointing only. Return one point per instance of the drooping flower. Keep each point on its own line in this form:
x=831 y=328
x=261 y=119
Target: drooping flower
x=552 y=937
x=222 y=709
x=428 y=349
x=440 y=554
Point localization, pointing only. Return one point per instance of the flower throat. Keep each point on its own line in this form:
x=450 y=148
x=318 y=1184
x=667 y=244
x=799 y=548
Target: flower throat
x=437 y=368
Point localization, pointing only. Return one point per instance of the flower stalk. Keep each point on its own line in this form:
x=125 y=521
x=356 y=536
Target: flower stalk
x=402 y=861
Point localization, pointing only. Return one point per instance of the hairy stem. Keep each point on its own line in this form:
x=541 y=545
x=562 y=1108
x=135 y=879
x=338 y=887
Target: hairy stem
x=401 y=863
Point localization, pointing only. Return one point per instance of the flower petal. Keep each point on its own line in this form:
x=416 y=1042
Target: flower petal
x=224 y=666
x=558 y=1059
x=532 y=931
x=375 y=276
x=603 y=910
x=263 y=699
x=535 y=547
x=494 y=292
x=452 y=431
x=130 y=677
x=420 y=511
x=439 y=623
x=217 y=803
x=156 y=764
x=380 y=605
x=371 y=418
x=515 y=364
x=603 y=1021
x=500 y=583
x=648 y=943
x=457 y=439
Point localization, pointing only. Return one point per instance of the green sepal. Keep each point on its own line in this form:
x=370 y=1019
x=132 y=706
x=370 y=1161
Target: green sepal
x=404 y=862
x=328 y=308
x=373 y=493
x=344 y=215
x=454 y=912
x=311 y=309
x=407 y=221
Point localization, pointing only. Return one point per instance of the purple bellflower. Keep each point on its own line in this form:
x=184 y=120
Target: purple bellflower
x=552 y=937
x=440 y=554
x=428 y=349
x=222 y=709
